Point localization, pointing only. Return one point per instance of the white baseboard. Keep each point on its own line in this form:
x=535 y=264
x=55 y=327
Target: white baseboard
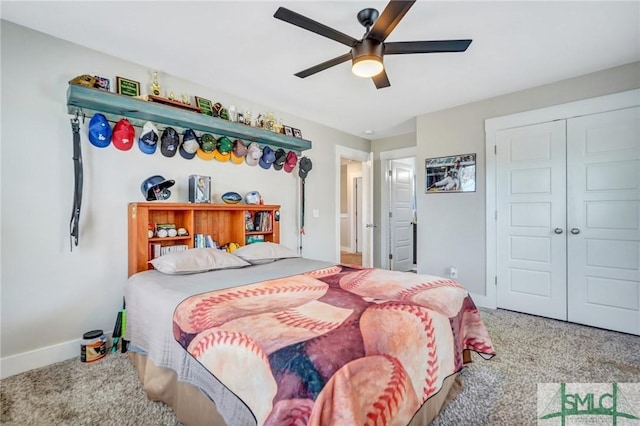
x=483 y=301
x=19 y=363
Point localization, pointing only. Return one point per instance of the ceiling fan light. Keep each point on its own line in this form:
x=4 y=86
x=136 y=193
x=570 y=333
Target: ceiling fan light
x=367 y=66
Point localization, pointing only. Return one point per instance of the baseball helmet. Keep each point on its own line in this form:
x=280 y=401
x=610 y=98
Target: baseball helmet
x=156 y=188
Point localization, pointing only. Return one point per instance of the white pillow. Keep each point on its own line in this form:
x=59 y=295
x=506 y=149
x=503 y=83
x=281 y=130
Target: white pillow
x=258 y=253
x=196 y=260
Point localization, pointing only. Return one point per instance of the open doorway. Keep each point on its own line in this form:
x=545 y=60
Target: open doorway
x=351 y=232
x=354 y=207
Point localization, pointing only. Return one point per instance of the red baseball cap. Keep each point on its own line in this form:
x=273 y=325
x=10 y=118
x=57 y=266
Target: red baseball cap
x=290 y=162
x=124 y=134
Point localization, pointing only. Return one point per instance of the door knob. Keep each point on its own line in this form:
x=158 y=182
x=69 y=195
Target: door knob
x=558 y=230
x=575 y=231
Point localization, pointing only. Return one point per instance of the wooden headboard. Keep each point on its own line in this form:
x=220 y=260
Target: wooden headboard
x=225 y=223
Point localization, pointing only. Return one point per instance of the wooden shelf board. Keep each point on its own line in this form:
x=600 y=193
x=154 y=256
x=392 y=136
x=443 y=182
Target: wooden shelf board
x=115 y=106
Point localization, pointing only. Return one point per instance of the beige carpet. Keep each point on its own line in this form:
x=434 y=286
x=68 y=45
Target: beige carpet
x=501 y=391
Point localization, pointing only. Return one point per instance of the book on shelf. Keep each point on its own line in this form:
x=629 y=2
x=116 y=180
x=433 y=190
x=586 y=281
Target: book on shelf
x=157 y=249
x=262 y=221
x=254 y=239
x=204 y=241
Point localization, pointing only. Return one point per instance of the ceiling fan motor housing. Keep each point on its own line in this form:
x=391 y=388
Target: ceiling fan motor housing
x=367 y=49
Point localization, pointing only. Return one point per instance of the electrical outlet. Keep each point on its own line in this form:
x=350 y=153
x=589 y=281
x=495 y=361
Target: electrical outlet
x=453 y=272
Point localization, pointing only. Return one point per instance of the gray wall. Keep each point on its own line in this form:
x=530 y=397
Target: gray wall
x=50 y=296
x=452 y=226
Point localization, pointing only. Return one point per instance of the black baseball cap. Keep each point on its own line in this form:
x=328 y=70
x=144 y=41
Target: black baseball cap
x=305 y=167
x=169 y=142
x=281 y=155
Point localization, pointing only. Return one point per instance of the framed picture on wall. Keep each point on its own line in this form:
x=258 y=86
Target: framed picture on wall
x=454 y=173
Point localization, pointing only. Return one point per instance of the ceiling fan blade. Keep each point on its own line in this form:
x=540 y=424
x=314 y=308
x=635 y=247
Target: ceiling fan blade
x=434 y=46
x=381 y=80
x=301 y=21
x=323 y=66
x=391 y=15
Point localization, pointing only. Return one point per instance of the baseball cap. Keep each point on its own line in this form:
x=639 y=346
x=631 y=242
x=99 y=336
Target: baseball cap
x=290 y=162
x=99 y=131
x=169 y=142
x=223 y=149
x=207 y=146
x=305 y=167
x=123 y=135
x=267 y=158
x=189 y=144
x=280 y=157
x=148 y=140
x=238 y=152
x=253 y=154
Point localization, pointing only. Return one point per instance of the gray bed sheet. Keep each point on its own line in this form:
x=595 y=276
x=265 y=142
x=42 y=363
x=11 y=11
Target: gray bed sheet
x=151 y=299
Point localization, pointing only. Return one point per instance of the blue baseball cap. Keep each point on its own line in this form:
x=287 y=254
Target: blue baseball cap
x=99 y=131
x=189 y=145
x=268 y=157
x=148 y=140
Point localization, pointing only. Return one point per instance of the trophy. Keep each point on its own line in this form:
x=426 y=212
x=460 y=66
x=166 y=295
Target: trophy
x=233 y=114
x=155 y=85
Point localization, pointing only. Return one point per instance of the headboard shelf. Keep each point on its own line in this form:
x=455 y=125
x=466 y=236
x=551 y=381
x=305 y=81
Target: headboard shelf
x=225 y=223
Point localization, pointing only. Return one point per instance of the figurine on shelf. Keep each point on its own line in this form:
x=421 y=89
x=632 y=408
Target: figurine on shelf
x=233 y=114
x=171 y=96
x=185 y=99
x=247 y=118
x=155 y=85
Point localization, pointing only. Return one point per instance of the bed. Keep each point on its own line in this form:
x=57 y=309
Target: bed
x=290 y=340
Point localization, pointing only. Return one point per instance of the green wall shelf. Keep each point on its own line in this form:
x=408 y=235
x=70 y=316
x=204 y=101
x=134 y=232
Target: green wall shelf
x=89 y=101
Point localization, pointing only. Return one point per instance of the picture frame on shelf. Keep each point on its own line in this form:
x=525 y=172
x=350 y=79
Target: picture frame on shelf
x=288 y=130
x=205 y=105
x=127 y=87
x=103 y=83
x=453 y=173
x=297 y=133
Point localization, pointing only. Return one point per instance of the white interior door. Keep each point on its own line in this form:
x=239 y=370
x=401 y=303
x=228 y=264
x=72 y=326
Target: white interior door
x=400 y=220
x=604 y=220
x=531 y=217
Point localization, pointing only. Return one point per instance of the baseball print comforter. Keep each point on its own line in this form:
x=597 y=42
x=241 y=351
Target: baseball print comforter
x=340 y=345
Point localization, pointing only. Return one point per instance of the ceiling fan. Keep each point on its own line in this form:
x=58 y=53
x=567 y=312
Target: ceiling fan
x=367 y=53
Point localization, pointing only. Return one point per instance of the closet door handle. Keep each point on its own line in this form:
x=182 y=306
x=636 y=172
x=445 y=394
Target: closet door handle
x=558 y=230
x=575 y=231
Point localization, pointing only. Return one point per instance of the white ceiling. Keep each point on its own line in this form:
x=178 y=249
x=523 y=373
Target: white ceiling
x=239 y=48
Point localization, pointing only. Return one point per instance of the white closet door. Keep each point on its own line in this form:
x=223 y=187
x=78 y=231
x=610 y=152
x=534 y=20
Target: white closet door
x=531 y=215
x=603 y=217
